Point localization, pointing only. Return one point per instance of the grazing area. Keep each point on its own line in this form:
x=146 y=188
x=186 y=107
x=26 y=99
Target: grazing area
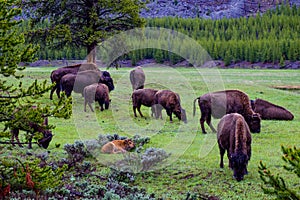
x=192 y=169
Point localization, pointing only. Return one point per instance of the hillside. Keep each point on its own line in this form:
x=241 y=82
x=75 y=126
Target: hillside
x=209 y=9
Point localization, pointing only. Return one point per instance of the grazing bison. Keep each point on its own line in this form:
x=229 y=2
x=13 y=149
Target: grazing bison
x=171 y=102
x=118 y=146
x=35 y=128
x=96 y=92
x=77 y=82
x=57 y=74
x=144 y=97
x=137 y=78
x=234 y=137
x=217 y=104
x=269 y=111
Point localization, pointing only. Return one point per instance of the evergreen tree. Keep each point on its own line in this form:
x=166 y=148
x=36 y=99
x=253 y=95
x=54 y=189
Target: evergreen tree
x=16 y=100
x=83 y=23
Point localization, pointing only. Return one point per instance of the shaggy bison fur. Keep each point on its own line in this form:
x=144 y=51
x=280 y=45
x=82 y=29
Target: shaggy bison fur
x=137 y=78
x=270 y=111
x=77 y=82
x=234 y=137
x=144 y=97
x=96 y=92
x=57 y=74
x=217 y=104
x=170 y=101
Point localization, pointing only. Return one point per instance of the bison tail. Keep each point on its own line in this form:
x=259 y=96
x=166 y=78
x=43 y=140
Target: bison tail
x=194 y=107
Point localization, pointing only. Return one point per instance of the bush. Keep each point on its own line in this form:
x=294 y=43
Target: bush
x=276 y=185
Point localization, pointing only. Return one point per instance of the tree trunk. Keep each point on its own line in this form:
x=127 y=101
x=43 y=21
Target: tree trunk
x=91 y=50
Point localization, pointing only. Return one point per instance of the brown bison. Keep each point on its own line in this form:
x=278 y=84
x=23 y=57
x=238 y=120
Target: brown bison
x=137 y=78
x=234 y=137
x=269 y=111
x=217 y=104
x=77 y=82
x=57 y=74
x=170 y=101
x=96 y=92
x=34 y=128
x=144 y=97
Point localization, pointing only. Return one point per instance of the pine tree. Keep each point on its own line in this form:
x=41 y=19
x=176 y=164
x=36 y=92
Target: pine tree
x=16 y=100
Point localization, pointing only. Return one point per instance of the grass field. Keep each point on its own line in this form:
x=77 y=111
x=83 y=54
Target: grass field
x=194 y=162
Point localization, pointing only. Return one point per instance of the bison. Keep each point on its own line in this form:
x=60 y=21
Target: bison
x=144 y=97
x=137 y=78
x=269 y=111
x=98 y=92
x=57 y=74
x=234 y=137
x=118 y=146
x=34 y=128
x=217 y=104
x=170 y=101
x=77 y=82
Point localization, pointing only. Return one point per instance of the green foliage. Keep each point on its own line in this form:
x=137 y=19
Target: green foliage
x=275 y=184
x=82 y=24
x=16 y=101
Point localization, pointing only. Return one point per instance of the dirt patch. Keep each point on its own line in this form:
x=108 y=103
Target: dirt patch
x=287 y=87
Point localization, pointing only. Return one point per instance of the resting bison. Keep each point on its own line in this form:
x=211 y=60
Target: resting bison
x=217 y=104
x=171 y=102
x=137 y=78
x=35 y=128
x=118 y=146
x=234 y=137
x=57 y=74
x=77 y=82
x=269 y=111
x=96 y=92
x=144 y=97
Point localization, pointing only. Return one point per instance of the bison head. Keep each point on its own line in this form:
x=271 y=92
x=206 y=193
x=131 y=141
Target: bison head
x=254 y=122
x=45 y=141
x=239 y=163
x=181 y=115
x=107 y=81
x=129 y=144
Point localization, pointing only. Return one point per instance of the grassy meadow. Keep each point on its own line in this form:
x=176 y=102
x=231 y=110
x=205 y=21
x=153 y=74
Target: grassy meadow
x=194 y=162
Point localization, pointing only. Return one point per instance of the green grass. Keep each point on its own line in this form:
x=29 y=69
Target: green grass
x=194 y=164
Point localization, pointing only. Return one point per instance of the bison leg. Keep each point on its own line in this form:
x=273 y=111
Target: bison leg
x=208 y=121
x=15 y=134
x=134 y=110
x=91 y=107
x=202 y=120
x=101 y=105
x=169 y=113
x=52 y=91
x=222 y=152
x=139 y=110
x=30 y=141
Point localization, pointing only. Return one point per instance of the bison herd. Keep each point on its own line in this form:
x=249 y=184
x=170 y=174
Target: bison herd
x=239 y=115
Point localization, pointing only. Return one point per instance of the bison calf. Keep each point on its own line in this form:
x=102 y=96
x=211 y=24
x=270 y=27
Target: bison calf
x=170 y=101
x=144 y=97
x=96 y=92
x=234 y=137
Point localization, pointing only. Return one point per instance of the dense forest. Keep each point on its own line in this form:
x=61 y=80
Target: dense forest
x=269 y=37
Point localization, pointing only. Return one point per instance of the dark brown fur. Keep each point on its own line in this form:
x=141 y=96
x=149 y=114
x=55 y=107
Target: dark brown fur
x=96 y=92
x=217 y=104
x=137 y=78
x=234 y=137
x=170 y=101
x=270 y=111
x=77 y=82
x=57 y=74
x=118 y=146
x=141 y=97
